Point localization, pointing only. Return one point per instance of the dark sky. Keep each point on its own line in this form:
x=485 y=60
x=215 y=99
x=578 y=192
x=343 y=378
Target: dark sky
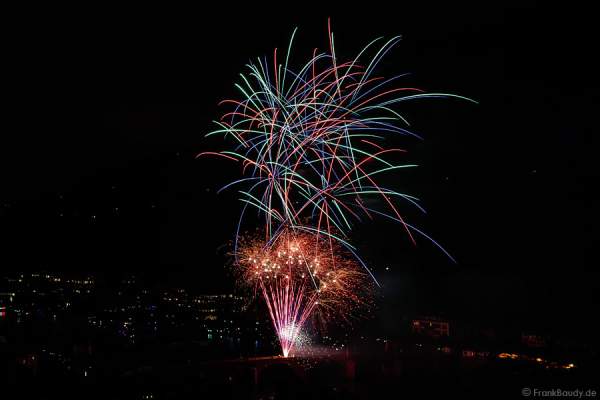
x=106 y=111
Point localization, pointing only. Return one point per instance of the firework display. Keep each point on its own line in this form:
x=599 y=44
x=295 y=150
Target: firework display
x=311 y=143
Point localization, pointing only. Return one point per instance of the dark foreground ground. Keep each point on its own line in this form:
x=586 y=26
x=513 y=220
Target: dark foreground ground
x=424 y=373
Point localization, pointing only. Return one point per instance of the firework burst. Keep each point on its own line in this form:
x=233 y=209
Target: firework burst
x=312 y=142
x=299 y=276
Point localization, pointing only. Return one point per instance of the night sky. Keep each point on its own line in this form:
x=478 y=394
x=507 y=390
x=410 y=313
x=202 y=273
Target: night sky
x=106 y=114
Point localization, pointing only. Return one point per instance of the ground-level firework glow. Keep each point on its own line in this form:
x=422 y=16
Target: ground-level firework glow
x=301 y=275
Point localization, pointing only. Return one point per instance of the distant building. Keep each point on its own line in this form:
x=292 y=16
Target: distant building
x=431 y=326
x=531 y=340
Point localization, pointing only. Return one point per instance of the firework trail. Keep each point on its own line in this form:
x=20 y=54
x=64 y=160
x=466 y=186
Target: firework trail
x=311 y=146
